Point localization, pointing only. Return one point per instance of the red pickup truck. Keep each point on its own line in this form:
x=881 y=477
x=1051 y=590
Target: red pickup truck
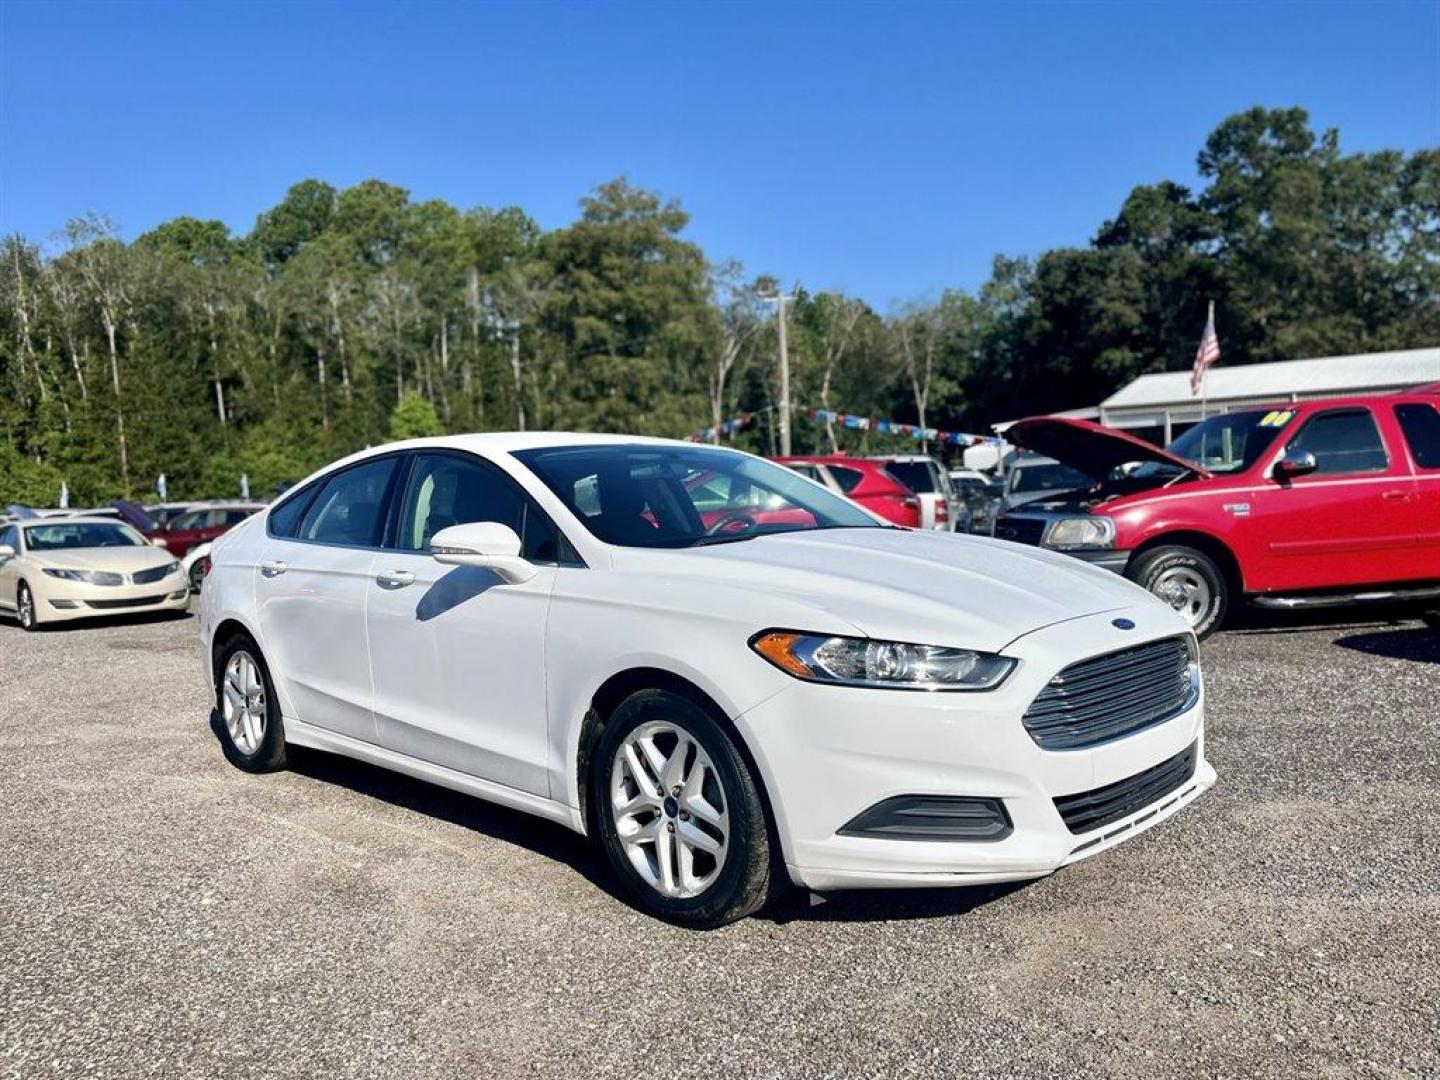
x=1302 y=504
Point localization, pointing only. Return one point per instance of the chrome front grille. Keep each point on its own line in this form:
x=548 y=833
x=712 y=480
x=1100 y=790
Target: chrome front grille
x=1113 y=695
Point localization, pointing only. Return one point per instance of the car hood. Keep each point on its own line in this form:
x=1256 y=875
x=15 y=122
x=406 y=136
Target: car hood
x=897 y=584
x=135 y=515
x=123 y=560
x=1089 y=447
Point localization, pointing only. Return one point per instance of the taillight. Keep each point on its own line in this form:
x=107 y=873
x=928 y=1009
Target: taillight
x=942 y=511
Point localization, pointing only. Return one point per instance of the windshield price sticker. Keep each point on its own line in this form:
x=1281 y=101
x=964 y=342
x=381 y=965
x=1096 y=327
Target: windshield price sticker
x=1278 y=418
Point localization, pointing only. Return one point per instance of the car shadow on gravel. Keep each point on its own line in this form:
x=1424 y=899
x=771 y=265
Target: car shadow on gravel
x=560 y=844
x=1256 y=620
x=1420 y=644
x=489 y=819
x=103 y=622
x=886 y=905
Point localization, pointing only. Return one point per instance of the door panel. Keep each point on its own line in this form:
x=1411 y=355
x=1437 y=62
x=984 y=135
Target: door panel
x=1352 y=522
x=311 y=592
x=9 y=567
x=1420 y=428
x=311 y=602
x=458 y=661
x=458 y=655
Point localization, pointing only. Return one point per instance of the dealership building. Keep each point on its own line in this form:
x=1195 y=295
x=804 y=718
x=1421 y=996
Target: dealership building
x=1159 y=407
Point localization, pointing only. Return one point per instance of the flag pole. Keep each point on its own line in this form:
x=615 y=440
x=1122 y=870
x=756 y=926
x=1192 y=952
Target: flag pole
x=1209 y=321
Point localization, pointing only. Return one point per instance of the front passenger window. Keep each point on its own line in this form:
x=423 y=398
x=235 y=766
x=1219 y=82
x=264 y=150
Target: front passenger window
x=347 y=510
x=1343 y=441
x=446 y=490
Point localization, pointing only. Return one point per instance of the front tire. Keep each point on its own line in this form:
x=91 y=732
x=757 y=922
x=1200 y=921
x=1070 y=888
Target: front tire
x=678 y=813
x=25 y=609
x=1189 y=581
x=249 y=726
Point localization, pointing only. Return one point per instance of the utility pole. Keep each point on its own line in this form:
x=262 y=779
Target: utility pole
x=779 y=298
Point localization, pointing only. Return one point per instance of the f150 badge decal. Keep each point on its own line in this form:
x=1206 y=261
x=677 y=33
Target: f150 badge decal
x=1238 y=509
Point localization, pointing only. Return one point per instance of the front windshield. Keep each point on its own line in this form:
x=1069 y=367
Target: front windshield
x=1055 y=477
x=638 y=495
x=81 y=534
x=1230 y=443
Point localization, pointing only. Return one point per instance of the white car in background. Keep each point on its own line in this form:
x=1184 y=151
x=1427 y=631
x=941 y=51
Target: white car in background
x=729 y=700
x=59 y=569
x=939 y=505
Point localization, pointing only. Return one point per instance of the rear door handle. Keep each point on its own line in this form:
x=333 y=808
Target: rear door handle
x=273 y=569
x=396 y=579
x=1395 y=496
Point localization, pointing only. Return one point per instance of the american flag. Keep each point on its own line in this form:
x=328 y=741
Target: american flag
x=1207 y=354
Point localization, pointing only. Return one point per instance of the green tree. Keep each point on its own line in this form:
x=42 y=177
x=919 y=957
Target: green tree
x=414 y=418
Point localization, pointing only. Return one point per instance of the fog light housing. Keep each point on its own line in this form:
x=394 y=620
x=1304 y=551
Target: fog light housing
x=963 y=818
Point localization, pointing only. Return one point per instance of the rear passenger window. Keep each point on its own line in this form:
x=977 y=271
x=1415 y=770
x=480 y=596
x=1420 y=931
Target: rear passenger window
x=1343 y=441
x=1421 y=424
x=285 y=518
x=848 y=479
x=348 y=508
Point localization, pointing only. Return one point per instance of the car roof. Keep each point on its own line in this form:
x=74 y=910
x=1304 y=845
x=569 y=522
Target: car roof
x=829 y=459
x=903 y=459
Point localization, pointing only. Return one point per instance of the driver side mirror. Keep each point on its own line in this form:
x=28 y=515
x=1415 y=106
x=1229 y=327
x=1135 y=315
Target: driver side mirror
x=6 y=551
x=1295 y=463
x=484 y=544
x=157 y=541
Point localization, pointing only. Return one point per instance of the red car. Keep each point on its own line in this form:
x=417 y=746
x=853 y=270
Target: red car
x=864 y=481
x=184 y=531
x=1303 y=504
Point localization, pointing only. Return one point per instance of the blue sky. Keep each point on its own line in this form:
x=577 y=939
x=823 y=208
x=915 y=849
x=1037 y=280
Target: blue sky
x=890 y=150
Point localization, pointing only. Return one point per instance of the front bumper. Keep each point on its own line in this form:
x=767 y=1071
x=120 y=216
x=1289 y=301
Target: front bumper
x=58 y=600
x=1116 y=561
x=828 y=753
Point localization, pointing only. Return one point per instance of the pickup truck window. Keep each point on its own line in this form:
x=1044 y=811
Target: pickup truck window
x=1343 y=441
x=1421 y=424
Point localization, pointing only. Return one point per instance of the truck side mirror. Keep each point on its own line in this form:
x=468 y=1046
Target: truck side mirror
x=1295 y=463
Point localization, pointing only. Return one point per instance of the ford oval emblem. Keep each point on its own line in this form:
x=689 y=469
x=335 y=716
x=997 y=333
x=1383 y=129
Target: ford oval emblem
x=1122 y=624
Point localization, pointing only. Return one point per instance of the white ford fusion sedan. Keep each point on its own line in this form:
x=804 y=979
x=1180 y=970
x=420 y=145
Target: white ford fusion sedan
x=730 y=677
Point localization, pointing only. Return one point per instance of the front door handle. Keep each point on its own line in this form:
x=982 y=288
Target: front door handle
x=1395 y=496
x=273 y=569
x=396 y=579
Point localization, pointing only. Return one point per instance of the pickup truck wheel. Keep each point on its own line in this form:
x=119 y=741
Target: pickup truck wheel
x=1189 y=581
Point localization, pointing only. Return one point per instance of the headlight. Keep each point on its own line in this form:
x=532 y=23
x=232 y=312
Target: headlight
x=1091 y=531
x=891 y=665
x=89 y=577
x=173 y=568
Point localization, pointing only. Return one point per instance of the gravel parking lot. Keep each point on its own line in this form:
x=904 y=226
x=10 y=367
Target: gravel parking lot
x=162 y=914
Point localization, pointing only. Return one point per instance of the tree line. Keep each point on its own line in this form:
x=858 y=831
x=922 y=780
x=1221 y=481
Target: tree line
x=347 y=317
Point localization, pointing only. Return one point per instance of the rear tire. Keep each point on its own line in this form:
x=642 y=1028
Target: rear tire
x=25 y=609
x=686 y=835
x=247 y=713
x=1189 y=581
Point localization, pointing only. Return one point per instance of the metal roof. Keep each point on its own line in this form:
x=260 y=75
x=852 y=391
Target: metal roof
x=1318 y=377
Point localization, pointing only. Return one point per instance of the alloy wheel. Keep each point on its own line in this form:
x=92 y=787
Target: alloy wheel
x=244 y=711
x=669 y=809
x=1185 y=590
x=26 y=604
